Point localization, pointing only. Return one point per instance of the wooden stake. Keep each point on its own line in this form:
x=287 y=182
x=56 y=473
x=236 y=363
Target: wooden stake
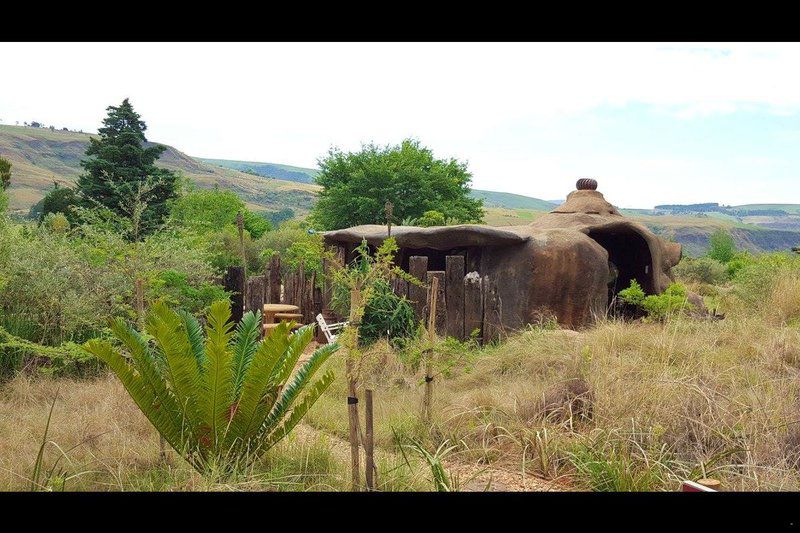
x=274 y=291
x=369 y=443
x=418 y=267
x=240 y=227
x=352 y=390
x=427 y=401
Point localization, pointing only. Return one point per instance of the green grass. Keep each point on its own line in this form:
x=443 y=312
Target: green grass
x=789 y=208
x=511 y=201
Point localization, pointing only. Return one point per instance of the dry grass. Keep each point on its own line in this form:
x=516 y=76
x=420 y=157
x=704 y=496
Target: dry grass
x=620 y=406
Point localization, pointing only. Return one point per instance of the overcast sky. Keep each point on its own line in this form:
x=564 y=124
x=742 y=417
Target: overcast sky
x=653 y=123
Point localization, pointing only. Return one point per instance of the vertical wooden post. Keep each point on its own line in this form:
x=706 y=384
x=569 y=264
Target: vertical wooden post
x=418 y=267
x=473 y=304
x=327 y=286
x=427 y=401
x=308 y=299
x=440 y=311
x=274 y=292
x=352 y=389
x=240 y=227
x=369 y=442
x=492 y=311
x=454 y=296
x=234 y=283
x=400 y=287
x=255 y=294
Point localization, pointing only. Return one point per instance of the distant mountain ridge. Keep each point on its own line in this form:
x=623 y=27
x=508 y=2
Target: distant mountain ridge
x=40 y=156
x=306 y=175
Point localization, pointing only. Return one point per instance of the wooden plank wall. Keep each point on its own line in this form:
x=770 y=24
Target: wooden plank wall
x=467 y=302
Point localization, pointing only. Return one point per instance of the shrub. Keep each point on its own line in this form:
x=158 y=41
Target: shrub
x=659 y=306
x=633 y=295
x=174 y=288
x=739 y=260
x=386 y=315
x=431 y=218
x=219 y=401
x=56 y=222
x=702 y=270
x=721 y=246
x=671 y=301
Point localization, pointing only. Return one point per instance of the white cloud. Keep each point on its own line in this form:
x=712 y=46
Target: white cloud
x=288 y=102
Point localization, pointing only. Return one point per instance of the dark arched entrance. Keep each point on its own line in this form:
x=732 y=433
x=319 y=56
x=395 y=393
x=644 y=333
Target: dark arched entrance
x=629 y=253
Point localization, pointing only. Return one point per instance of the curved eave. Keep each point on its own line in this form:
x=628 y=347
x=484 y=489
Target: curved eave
x=437 y=238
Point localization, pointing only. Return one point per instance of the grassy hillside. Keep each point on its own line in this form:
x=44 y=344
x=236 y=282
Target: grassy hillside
x=306 y=175
x=511 y=201
x=271 y=170
x=40 y=156
x=789 y=208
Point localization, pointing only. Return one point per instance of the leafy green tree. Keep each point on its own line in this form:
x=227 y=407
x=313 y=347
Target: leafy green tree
x=430 y=219
x=221 y=399
x=5 y=173
x=120 y=168
x=58 y=200
x=213 y=210
x=721 y=246
x=357 y=185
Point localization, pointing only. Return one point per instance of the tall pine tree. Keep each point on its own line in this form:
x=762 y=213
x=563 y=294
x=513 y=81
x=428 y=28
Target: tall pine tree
x=121 y=173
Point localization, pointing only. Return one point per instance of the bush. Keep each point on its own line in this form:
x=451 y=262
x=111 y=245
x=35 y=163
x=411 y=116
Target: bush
x=430 y=219
x=702 y=270
x=58 y=200
x=386 y=315
x=221 y=399
x=215 y=210
x=721 y=246
x=658 y=306
x=173 y=287
x=671 y=301
x=770 y=284
x=633 y=295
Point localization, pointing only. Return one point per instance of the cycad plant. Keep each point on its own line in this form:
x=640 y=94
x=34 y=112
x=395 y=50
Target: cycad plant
x=223 y=399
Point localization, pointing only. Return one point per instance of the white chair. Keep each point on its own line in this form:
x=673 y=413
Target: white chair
x=330 y=330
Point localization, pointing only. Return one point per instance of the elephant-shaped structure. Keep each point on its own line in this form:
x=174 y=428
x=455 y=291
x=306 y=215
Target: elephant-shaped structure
x=567 y=263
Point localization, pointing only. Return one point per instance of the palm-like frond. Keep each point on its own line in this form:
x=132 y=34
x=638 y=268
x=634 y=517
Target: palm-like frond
x=215 y=403
x=137 y=387
x=245 y=345
x=218 y=396
x=194 y=331
x=257 y=392
x=169 y=332
x=299 y=382
x=148 y=368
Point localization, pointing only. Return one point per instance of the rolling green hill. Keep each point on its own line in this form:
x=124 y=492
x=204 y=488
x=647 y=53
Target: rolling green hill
x=306 y=175
x=40 y=156
x=789 y=208
x=271 y=170
x=511 y=201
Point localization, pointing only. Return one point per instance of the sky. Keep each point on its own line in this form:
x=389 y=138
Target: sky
x=654 y=123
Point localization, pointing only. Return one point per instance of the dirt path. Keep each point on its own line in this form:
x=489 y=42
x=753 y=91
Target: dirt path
x=472 y=477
